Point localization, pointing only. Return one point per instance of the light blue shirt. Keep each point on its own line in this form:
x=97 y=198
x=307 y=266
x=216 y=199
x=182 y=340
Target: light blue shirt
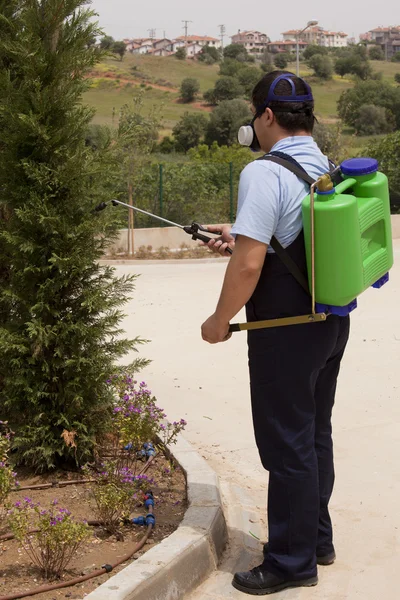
x=270 y=196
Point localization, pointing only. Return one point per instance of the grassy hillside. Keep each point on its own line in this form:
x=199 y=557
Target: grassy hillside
x=114 y=82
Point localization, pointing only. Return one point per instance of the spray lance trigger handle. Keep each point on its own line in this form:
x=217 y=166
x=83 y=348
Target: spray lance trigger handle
x=194 y=229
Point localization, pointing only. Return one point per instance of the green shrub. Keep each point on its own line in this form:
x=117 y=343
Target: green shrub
x=190 y=87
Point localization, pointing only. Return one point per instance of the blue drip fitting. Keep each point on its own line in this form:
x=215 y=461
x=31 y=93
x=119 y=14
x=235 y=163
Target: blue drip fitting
x=150 y=520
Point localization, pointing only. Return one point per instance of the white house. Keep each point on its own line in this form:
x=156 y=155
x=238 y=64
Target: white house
x=317 y=35
x=193 y=49
x=177 y=44
x=287 y=46
x=255 y=42
x=202 y=40
x=144 y=49
x=164 y=43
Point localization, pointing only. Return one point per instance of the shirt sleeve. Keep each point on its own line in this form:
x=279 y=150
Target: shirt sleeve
x=258 y=202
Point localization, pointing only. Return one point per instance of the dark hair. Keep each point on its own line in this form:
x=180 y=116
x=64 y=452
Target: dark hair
x=292 y=116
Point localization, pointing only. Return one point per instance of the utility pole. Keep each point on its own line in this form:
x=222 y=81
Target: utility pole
x=186 y=27
x=222 y=30
x=152 y=33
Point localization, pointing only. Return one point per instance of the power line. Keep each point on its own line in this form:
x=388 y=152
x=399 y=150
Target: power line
x=222 y=29
x=185 y=27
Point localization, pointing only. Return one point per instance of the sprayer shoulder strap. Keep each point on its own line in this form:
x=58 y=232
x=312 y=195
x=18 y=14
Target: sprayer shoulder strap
x=291 y=164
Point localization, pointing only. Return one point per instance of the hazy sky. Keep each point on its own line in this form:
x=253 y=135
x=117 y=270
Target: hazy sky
x=130 y=18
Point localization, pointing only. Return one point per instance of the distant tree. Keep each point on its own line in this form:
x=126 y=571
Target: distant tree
x=230 y=67
x=322 y=66
x=209 y=96
x=209 y=55
x=343 y=66
x=396 y=57
x=190 y=87
x=267 y=61
x=378 y=93
x=189 y=131
x=248 y=77
x=376 y=53
x=314 y=49
x=107 y=42
x=280 y=61
x=329 y=139
x=167 y=145
x=181 y=54
x=236 y=51
x=119 y=48
x=353 y=64
x=397 y=78
x=225 y=122
x=373 y=120
x=227 y=88
x=387 y=152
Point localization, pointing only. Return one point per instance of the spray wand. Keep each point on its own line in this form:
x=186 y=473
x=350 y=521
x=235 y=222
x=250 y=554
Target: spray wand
x=192 y=229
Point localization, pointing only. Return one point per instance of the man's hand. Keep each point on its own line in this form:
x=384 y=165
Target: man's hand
x=215 y=331
x=220 y=244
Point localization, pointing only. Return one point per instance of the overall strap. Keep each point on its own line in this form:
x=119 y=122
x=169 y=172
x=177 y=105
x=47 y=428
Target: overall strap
x=291 y=164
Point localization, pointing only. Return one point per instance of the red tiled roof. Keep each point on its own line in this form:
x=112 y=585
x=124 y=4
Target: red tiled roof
x=197 y=38
x=385 y=29
x=287 y=42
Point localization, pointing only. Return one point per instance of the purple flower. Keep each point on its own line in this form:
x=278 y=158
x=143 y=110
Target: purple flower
x=28 y=500
x=17 y=504
x=117 y=409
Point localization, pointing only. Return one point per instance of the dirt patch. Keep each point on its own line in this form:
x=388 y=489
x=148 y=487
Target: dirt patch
x=132 y=80
x=17 y=573
x=164 y=253
x=199 y=105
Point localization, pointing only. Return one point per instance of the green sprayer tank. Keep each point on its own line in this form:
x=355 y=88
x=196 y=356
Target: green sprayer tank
x=353 y=236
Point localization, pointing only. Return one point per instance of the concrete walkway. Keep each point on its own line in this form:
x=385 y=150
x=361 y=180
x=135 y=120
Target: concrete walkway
x=208 y=386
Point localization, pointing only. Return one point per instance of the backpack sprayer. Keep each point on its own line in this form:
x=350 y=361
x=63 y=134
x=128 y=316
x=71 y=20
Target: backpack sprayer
x=348 y=239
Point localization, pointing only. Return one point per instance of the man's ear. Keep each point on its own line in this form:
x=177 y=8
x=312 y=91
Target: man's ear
x=269 y=116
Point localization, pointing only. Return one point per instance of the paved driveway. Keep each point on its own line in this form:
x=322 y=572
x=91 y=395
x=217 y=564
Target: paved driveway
x=208 y=386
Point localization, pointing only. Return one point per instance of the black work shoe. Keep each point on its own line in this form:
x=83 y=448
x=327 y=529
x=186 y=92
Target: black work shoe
x=259 y=582
x=324 y=559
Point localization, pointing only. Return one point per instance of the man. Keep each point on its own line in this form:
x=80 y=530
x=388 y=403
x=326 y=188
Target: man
x=293 y=370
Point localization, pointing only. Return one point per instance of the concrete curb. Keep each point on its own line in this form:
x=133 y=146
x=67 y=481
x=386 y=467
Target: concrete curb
x=182 y=561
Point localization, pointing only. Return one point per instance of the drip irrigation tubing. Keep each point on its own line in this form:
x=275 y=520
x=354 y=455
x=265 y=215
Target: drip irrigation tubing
x=59 y=484
x=104 y=570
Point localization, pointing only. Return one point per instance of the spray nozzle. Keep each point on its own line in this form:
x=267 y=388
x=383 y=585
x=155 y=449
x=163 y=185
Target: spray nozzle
x=325 y=183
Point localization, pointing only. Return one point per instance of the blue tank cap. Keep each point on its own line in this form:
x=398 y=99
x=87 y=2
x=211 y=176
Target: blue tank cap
x=359 y=166
x=328 y=193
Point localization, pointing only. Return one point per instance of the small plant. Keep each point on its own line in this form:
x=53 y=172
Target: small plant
x=7 y=476
x=114 y=492
x=137 y=419
x=57 y=539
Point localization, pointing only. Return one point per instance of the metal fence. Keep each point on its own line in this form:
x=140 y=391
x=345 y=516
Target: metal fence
x=185 y=192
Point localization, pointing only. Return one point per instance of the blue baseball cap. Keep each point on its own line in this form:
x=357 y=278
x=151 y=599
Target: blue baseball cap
x=293 y=97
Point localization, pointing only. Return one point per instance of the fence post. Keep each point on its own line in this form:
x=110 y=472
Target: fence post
x=161 y=189
x=231 y=191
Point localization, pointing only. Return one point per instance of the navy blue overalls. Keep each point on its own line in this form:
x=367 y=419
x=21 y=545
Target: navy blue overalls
x=293 y=374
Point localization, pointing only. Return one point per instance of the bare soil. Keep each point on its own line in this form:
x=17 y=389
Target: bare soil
x=18 y=574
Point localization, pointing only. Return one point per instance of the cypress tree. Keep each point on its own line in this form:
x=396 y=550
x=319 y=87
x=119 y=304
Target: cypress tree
x=60 y=311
